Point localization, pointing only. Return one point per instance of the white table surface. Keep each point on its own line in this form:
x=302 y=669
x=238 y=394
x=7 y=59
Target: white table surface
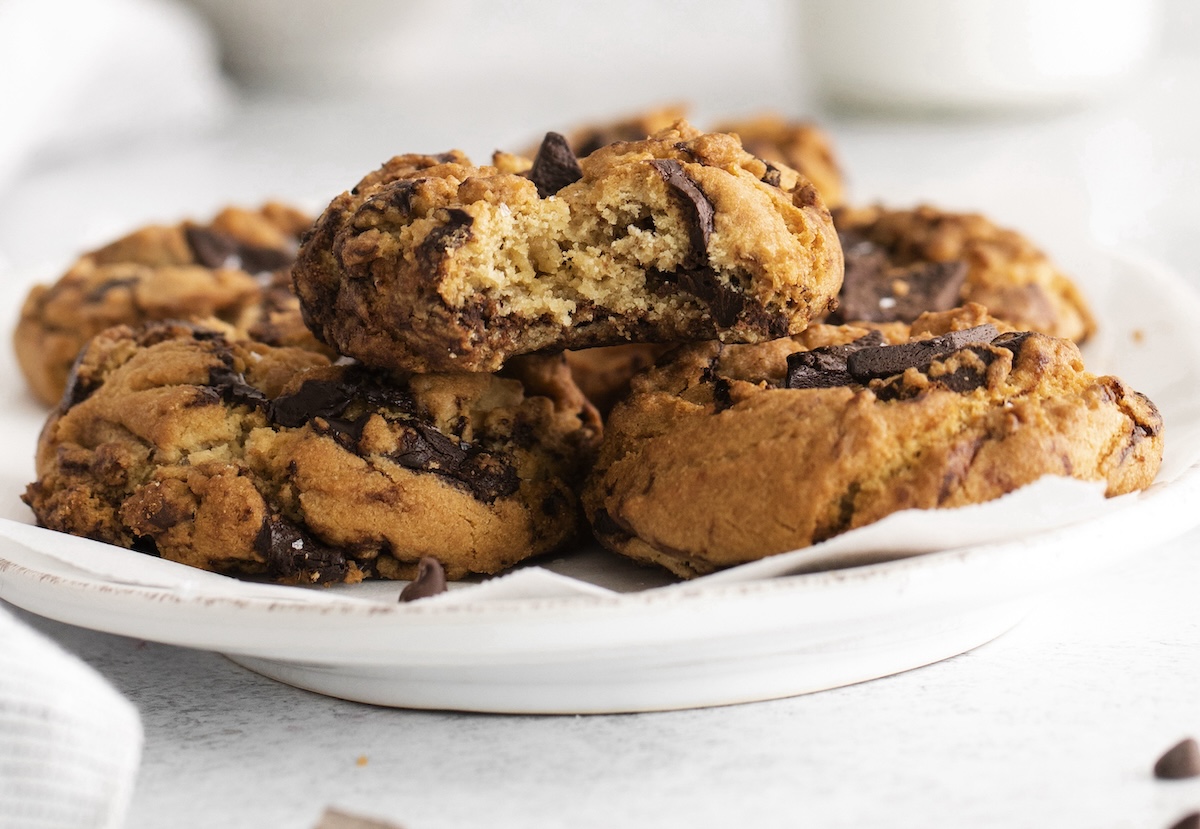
x=1057 y=723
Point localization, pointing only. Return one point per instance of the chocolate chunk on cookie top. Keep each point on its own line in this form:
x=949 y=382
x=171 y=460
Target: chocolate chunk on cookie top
x=724 y=454
x=902 y=263
x=252 y=460
x=434 y=264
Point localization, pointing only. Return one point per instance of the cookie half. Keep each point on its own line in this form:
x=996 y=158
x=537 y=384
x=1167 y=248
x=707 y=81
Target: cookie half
x=434 y=264
x=727 y=454
x=234 y=269
x=252 y=460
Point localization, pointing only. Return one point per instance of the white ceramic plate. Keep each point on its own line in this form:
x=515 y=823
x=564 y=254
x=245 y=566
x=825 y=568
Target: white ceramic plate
x=558 y=640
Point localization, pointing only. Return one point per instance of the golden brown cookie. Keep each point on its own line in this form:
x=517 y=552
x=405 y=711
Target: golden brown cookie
x=253 y=460
x=727 y=454
x=901 y=263
x=434 y=264
x=234 y=269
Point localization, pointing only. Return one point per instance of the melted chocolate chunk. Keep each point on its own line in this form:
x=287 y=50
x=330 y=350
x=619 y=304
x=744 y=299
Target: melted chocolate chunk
x=232 y=387
x=1180 y=762
x=554 y=166
x=885 y=361
x=455 y=233
x=211 y=248
x=1014 y=341
x=399 y=194
x=825 y=367
x=430 y=581
x=873 y=290
x=329 y=399
x=725 y=303
x=214 y=249
x=697 y=207
x=426 y=449
x=291 y=553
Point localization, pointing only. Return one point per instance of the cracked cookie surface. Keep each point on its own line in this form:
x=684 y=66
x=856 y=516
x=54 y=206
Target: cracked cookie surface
x=270 y=462
x=432 y=263
x=901 y=263
x=233 y=271
x=727 y=454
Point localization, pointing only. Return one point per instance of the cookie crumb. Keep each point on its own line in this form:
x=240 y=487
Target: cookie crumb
x=1138 y=336
x=1180 y=762
x=337 y=819
x=361 y=761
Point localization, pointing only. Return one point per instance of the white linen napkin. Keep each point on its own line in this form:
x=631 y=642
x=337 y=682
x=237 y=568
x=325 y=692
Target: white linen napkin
x=69 y=744
x=76 y=75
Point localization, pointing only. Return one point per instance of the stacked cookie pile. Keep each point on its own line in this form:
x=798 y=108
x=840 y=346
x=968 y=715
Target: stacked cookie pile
x=772 y=373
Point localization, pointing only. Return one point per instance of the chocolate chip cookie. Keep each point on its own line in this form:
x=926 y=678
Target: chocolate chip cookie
x=233 y=269
x=728 y=453
x=434 y=264
x=262 y=461
x=901 y=263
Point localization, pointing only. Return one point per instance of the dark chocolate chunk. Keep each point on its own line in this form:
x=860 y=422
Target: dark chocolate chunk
x=699 y=209
x=724 y=302
x=455 y=233
x=1188 y=821
x=98 y=293
x=1180 y=762
x=211 y=248
x=772 y=176
x=873 y=290
x=1014 y=341
x=258 y=259
x=232 y=385
x=430 y=581
x=554 y=166
x=291 y=553
x=884 y=361
x=825 y=367
x=427 y=449
x=214 y=249
x=722 y=394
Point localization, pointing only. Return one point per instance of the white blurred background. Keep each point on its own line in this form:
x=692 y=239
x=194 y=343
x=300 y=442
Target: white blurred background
x=1070 y=119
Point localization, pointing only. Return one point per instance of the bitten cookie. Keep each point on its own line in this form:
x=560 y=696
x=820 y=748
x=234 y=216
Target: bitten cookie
x=252 y=460
x=234 y=269
x=433 y=264
x=901 y=263
x=727 y=454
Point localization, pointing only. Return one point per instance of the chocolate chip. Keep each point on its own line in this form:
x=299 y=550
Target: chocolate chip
x=825 y=367
x=724 y=302
x=214 y=249
x=1180 y=762
x=455 y=233
x=291 y=553
x=885 y=361
x=773 y=176
x=873 y=290
x=232 y=386
x=430 y=581
x=1188 y=821
x=211 y=248
x=554 y=166
x=698 y=209
x=425 y=448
